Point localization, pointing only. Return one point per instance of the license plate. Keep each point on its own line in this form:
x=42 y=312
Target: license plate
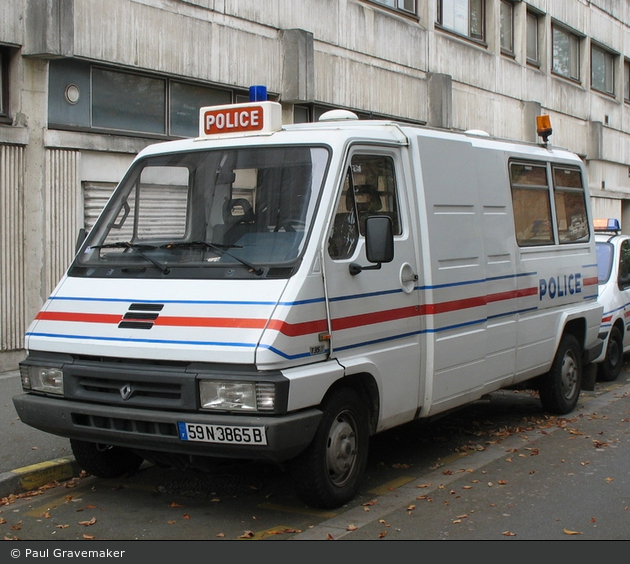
x=226 y=434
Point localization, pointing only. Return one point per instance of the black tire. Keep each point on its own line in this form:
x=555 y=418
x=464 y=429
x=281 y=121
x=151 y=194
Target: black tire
x=560 y=387
x=610 y=367
x=328 y=473
x=105 y=461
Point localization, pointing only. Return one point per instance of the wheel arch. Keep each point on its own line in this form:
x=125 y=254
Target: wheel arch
x=364 y=384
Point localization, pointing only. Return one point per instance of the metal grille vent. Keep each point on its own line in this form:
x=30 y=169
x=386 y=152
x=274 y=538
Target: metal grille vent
x=140 y=316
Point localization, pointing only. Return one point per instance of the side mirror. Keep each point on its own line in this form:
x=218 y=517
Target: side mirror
x=379 y=243
x=80 y=238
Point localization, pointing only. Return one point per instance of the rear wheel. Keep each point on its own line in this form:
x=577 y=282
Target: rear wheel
x=329 y=472
x=610 y=367
x=560 y=387
x=105 y=461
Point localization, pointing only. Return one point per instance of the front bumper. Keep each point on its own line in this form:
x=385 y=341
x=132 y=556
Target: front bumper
x=157 y=430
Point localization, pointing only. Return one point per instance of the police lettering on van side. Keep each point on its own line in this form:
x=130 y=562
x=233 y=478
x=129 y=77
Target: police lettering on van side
x=560 y=286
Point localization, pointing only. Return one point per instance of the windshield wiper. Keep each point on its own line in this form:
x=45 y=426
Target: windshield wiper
x=219 y=249
x=136 y=249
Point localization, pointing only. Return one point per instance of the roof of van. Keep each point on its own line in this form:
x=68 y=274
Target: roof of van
x=388 y=131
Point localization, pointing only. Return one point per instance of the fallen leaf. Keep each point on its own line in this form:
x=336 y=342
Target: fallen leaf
x=221 y=535
x=89 y=537
x=247 y=535
x=351 y=528
x=381 y=535
x=61 y=526
x=508 y=534
x=186 y=516
x=173 y=504
x=88 y=523
x=368 y=503
x=329 y=537
x=568 y=532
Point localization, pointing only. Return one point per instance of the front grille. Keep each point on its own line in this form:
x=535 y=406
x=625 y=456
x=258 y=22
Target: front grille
x=136 y=389
x=131 y=385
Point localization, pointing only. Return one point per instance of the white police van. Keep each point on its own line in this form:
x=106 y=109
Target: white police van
x=283 y=292
x=613 y=272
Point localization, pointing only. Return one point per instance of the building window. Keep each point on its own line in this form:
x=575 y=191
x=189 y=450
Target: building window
x=465 y=17
x=126 y=101
x=402 y=5
x=626 y=80
x=4 y=83
x=83 y=96
x=507 y=27
x=566 y=53
x=533 y=54
x=602 y=70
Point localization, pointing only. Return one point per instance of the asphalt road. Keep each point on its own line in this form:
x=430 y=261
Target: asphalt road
x=498 y=470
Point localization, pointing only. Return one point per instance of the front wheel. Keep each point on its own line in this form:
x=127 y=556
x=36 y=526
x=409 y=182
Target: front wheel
x=105 y=461
x=328 y=473
x=560 y=387
x=610 y=367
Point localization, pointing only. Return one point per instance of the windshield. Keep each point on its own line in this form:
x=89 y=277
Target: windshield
x=605 y=254
x=237 y=212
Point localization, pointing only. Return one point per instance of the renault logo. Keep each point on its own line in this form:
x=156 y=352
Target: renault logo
x=126 y=391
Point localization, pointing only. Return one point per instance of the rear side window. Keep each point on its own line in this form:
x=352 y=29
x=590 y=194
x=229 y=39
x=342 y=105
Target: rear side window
x=570 y=204
x=549 y=204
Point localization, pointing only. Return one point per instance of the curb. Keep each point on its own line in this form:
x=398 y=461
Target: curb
x=35 y=476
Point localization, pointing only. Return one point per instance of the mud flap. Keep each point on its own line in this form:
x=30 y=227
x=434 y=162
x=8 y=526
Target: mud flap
x=589 y=377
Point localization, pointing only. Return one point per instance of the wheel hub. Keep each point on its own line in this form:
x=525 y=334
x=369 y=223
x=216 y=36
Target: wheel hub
x=342 y=449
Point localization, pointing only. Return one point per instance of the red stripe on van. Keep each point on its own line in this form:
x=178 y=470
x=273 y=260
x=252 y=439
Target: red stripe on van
x=299 y=329
x=232 y=322
x=76 y=317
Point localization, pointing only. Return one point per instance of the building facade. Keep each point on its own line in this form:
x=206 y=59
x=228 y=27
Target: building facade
x=86 y=84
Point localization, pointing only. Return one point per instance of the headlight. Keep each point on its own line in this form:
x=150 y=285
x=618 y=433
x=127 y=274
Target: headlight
x=237 y=396
x=42 y=379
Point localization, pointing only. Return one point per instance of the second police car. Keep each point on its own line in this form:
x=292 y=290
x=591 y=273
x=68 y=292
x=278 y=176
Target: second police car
x=613 y=271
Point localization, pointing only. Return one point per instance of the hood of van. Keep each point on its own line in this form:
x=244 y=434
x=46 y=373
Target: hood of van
x=178 y=320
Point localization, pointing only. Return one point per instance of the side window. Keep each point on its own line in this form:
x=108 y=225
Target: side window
x=624 y=265
x=570 y=204
x=532 y=206
x=345 y=232
x=369 y=189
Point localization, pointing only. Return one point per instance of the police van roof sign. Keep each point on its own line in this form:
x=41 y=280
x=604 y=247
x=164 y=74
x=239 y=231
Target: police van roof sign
x=254 y=118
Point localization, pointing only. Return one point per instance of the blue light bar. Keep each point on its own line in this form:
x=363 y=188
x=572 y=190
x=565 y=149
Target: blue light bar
x=257 y=93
